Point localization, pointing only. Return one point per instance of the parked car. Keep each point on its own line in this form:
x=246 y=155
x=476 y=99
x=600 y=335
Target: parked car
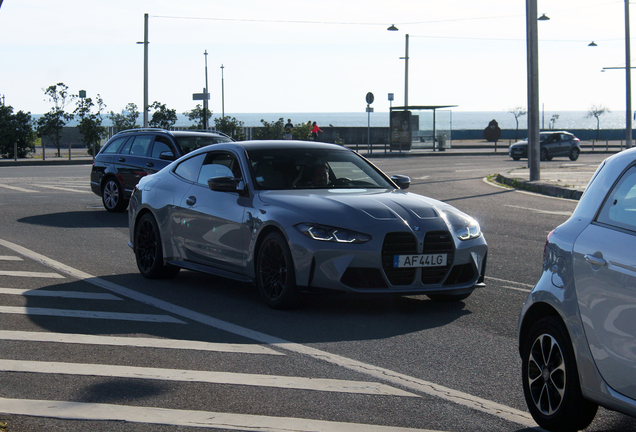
x=131 y=154
x=293 y=216
x=551 y=144
x=577 y=329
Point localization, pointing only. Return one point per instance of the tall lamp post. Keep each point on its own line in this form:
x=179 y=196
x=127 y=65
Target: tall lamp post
x=406 y=68
x=145 y=44
x=222 y=93
x=206 y=93
x=533 y=88
x=628 y=81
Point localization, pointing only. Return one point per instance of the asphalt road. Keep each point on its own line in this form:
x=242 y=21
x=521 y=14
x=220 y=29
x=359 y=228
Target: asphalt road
x=332 y=365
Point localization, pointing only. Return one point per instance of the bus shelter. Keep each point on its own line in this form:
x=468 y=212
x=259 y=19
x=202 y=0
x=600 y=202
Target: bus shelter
x=421 y=126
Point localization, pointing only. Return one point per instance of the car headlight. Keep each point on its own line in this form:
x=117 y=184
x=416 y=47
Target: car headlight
x=470 y=231
x=332 y=234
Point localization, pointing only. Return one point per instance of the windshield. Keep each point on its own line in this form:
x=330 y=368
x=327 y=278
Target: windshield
x=276 y=169
x=189 y=143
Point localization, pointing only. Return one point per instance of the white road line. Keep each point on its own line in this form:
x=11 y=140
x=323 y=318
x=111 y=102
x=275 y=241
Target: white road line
x=10 y=258
x=510 y=282
x=210 y=377
x=30 y=274
x=136 y=342
x=61 y=188
x=445 y=393
x=517 y=289
x=71 y=313
x=15 y=188
x=187 y=418
x=63 y=294
x=561 y=213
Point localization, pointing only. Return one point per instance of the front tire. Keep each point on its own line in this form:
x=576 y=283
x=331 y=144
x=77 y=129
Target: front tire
x=275 y=276
x=551 y=380
x=113 y=196
x=148 y=250
x=574 y=154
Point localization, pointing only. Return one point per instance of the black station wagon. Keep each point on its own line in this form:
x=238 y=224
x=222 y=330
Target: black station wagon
x=132 y=154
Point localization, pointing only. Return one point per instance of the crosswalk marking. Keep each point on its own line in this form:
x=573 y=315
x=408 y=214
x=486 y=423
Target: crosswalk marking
x=191 y=418
x=63 y=294
x=136 y=342
x=210 y=377
x=30 y=274
x=71 y=313
x=10 y=258
x=15 y=188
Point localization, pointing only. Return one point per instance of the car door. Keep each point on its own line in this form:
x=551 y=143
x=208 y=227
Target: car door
x=131 y=161
x=212 y=223
x=605 y=277
x=161 y=145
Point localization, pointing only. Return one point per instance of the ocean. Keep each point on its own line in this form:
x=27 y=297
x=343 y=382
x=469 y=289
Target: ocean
x=445 y=119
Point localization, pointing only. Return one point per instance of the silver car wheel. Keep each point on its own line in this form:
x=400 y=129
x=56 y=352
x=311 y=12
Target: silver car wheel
x=112 y=196
x=546 y=374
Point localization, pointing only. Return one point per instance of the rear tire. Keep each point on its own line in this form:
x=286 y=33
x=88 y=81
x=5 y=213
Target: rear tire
x=149 y=252
x=113 y=196
x=574 y=154
x=543 y=155
x=551 y=380
x=275 y=276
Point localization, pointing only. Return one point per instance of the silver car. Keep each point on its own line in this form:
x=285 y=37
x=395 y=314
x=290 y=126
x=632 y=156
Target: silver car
x=577 y=330
x=295 y=216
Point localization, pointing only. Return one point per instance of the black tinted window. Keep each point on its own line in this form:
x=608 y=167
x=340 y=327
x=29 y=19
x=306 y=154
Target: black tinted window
x=619 y=209
x=114 y=145
x=189 y=143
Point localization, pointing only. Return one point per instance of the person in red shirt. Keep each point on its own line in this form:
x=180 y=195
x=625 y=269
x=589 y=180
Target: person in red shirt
x=314 y=131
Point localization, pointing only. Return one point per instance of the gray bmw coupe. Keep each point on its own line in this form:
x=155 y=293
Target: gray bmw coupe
x=293 y=216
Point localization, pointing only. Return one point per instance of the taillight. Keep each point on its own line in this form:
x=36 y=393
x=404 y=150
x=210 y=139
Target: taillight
x=547 y=239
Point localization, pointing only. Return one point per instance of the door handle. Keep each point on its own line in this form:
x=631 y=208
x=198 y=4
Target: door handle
x=595 y=261
x=150 y=164
x=191 y=200
x=121 y=159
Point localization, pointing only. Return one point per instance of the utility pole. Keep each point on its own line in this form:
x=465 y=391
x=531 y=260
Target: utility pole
x=145 y=70
x=533 y=90
x=222 y=93
x=628 y=81
x=206 y=93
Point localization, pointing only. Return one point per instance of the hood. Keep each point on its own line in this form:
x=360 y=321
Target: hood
x=360 y=208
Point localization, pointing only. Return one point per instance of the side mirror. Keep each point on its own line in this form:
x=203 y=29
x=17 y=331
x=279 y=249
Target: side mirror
x=225 y=184
x=167 y=155
x=402 y=181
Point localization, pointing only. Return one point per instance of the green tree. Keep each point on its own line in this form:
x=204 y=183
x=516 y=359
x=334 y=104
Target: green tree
x=90 y=124
x=596 y=112
x=126 y=120
x=302 y=131
x=15 y=129
x=230 y=126
x=271 y=131
x=196 y=114
x=518 y=112
x=51 y=125
x=162 y=117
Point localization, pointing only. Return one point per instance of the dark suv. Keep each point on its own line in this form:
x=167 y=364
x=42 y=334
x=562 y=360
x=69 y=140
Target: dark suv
x=134 y=153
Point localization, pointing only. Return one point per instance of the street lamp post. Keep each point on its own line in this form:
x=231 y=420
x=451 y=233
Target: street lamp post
x=145 y=44
x=222 y=93
x=206 y=93
x=628 y=81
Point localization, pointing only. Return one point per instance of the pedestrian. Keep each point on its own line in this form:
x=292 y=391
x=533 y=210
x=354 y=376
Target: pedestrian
x=288 y=129
x=314 y=131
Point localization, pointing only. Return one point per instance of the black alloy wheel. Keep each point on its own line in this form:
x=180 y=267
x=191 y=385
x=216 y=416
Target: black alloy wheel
x=543 y=154
x=275 y=274
x=113 y=196
x=550 y=379
x=148 y=250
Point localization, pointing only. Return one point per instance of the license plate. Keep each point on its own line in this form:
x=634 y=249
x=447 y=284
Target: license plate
x=425 y=260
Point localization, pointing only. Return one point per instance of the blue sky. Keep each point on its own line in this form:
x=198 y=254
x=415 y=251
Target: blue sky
x=312 y=56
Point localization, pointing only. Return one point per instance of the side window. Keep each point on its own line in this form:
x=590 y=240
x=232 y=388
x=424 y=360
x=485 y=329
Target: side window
x=218 y=165
x=140 y=145
x=114 y=146
x=161 y=144
x=619 y=209
x=189 y=168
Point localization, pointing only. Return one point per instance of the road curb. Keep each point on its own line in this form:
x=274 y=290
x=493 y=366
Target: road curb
x=540 y=187
x=48 y=162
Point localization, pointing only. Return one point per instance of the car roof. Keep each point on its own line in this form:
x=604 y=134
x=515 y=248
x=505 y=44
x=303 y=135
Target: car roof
x=288 y=144
x=175 y=133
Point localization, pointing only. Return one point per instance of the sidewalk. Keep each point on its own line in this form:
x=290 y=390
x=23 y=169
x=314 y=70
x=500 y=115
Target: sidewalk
x=565 y=181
